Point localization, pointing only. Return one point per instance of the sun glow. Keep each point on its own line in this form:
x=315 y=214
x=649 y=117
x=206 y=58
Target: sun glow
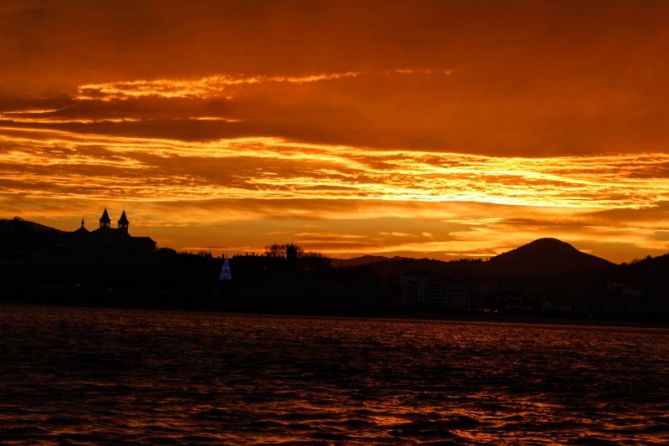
x=238 y=160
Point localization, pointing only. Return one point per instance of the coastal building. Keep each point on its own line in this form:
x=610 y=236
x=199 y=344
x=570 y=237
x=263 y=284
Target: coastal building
x=115 y=239
x=447 y=292
x=18 y=235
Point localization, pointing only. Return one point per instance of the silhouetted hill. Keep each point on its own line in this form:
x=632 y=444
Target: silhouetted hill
x=25 y=226
x=651 y=271
x=659 y=263
x=545 y=257
x=23 y=235
x=364 y=260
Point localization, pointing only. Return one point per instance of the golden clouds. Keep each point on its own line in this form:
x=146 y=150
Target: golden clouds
x=222 y=161
x=248 y=192
x=257 y=168
x=435 y=109
x=433 y=127
x=207 y=87
x=219 y=85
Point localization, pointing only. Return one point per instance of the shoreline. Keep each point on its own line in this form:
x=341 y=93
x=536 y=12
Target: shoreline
x=466 y=318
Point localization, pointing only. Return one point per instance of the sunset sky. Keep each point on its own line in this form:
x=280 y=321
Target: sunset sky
x=435 y=129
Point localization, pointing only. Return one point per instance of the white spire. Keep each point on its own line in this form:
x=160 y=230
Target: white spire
x=225 y=271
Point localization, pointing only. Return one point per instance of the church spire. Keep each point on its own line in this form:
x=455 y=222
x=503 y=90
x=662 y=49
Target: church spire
x=105 y=221
x=82 y=229
x=123 y=223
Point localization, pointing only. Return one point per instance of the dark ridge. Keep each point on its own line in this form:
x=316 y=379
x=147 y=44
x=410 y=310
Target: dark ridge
x=546 y=256
x=365 y=260
x=358 y=261
x=25 y=226
x=648 y=272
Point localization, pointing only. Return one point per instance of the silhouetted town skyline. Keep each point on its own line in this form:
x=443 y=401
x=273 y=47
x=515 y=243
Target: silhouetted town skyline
x=108 y=266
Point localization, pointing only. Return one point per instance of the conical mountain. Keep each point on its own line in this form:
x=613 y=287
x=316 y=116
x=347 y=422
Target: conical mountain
x=545 y=257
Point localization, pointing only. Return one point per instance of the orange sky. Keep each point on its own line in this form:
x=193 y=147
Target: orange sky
x=440 y=129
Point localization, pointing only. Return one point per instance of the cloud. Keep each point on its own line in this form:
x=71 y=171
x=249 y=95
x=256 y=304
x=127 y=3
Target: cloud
x=163 y=169
x=370 y=74
x=246 y=191
x=357 y=128
x=412 y=109
x=216 y=86
x=662 y=235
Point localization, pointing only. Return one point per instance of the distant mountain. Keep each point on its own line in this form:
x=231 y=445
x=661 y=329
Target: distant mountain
x=651 y=262
x=364 y=260
x=544 y=257
x=357 y=261
x=652 y=271
x=395 y=266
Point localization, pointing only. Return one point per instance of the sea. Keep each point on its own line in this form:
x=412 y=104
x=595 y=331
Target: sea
x=71 y=376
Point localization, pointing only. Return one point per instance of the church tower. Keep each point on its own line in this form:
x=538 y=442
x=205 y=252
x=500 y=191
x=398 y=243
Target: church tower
x=105 y=221
x=123 y=223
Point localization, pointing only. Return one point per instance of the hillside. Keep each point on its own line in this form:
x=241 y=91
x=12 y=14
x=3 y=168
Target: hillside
x=545 y=257
x=358 y=261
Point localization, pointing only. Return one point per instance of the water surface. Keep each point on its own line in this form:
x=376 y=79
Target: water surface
x=80 y=376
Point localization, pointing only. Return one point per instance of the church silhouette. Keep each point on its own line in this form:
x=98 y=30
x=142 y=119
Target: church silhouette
x=113 y=238
x=105 y=225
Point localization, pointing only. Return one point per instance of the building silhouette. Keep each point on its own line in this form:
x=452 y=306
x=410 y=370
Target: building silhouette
x=28 y=238
x=105 y=221
x=123 y=223
x=82 y=229
x=439 y=291
x=115 y=239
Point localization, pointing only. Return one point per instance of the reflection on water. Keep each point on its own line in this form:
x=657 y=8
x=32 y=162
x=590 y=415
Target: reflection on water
x=107 y=376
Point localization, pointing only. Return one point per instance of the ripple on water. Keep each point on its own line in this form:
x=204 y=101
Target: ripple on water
x=81 y=376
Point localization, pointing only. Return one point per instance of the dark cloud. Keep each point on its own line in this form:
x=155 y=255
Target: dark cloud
x=528 y=77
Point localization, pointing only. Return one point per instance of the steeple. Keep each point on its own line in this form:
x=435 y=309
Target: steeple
x=123 y=223
x=105 y=221
x=82 y=229
x=225 y=272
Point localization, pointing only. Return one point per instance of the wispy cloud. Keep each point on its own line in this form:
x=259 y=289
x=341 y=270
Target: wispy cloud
x=327 y=160
x=218 y=85
x=270 y=167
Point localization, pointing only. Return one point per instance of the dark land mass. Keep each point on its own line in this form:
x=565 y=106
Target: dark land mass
x=546 y=279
